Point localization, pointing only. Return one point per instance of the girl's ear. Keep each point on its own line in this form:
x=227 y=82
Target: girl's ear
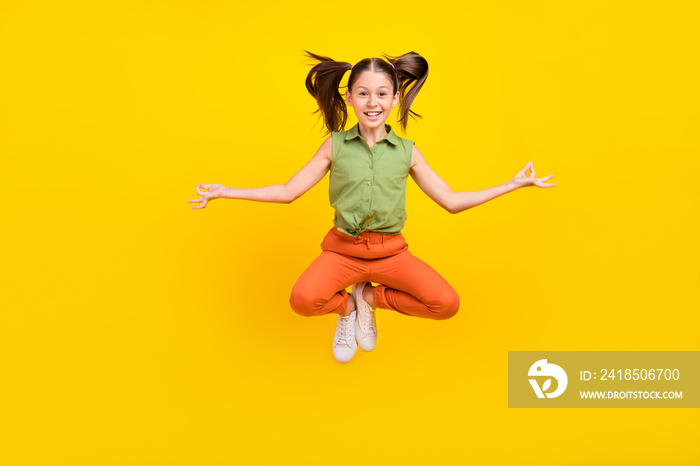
x=348 y=98
x=396 y=100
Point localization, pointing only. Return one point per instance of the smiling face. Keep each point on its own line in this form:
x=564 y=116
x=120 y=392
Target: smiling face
x=371 y=99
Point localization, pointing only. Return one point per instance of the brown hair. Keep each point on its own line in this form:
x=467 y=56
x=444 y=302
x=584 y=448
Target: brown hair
x=408 y=75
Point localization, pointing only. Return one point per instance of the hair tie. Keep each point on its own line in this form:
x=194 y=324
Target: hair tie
x=392 y=65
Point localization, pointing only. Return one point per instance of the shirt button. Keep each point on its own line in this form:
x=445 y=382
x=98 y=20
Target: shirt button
x=369 y=183
x=371 y=166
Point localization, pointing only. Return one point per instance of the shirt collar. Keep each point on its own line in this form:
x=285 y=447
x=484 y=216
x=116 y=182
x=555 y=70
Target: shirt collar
x=390 y=135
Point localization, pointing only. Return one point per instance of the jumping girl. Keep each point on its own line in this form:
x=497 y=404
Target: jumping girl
x=369 y=165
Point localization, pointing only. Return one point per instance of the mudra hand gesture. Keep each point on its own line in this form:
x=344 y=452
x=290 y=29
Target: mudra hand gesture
x=215 y=191
x=521 y=179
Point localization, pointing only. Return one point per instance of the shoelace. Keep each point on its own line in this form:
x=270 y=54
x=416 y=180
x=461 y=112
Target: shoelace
x=367 y=320
x=345 y=327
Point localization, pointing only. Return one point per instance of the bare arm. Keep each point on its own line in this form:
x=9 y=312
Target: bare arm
x=454 y=202
x=302 y=181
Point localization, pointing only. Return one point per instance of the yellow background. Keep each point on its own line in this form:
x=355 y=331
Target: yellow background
x=137 y=331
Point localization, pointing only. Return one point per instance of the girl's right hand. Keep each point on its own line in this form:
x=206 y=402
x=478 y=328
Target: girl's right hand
x=214 y=191
x=521 y=179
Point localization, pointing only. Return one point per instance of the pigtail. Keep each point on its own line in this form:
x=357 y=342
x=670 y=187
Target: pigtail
x=411 y=71
x=323 y=82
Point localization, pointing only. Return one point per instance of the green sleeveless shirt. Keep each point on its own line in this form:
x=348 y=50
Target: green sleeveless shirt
x=367 y=187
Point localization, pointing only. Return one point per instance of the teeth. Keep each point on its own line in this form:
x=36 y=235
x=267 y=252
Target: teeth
x=372 y=113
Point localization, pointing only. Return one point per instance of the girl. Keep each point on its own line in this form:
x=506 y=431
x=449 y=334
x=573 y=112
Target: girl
x=369 y=165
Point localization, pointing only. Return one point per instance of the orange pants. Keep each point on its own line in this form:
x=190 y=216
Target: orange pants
x=407 y=284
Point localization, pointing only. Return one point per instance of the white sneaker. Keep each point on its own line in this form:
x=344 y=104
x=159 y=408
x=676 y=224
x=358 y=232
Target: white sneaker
x=344 y=344
x=366 y=323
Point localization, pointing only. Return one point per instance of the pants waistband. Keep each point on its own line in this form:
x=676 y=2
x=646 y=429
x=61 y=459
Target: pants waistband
x=368 y=245
x=372 y=237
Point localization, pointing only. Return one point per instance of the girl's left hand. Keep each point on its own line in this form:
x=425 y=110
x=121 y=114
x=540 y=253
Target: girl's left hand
x=521 y=179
